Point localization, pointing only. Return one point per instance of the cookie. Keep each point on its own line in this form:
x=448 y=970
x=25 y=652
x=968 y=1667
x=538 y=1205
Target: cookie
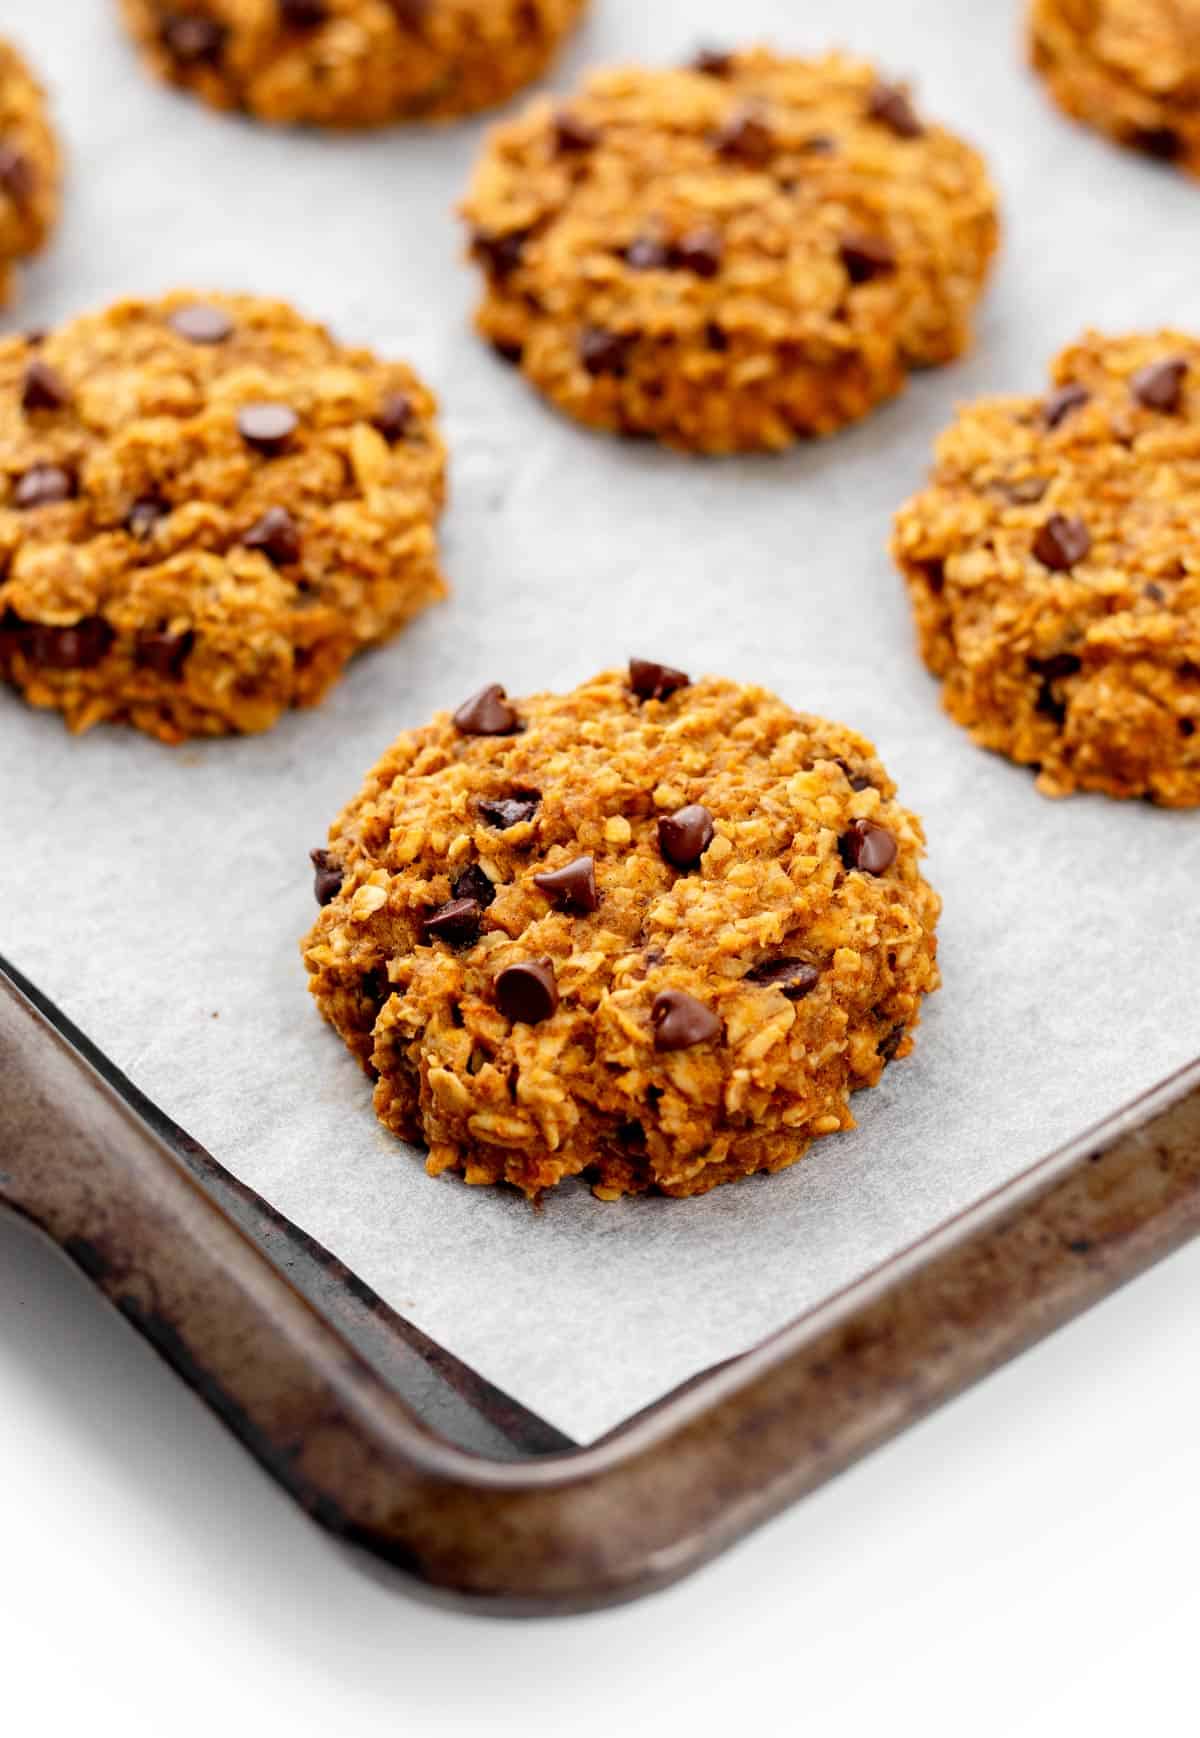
x=1054 y=568
x=30 y=167
x=730 y=256
x=207 y=507
x=651 y=932
x=351 y=63
x=1129 y=68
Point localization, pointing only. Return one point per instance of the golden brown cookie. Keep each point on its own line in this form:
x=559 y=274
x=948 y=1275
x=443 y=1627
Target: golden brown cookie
x=207 y=507
x=730 y=256
x=1054 y=567
x=351 y=63
x=29 y=166
x=1129 y=68
x=652 y=932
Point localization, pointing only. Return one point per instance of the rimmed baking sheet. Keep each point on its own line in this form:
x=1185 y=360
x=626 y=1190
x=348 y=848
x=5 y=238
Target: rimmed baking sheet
x=158 y=895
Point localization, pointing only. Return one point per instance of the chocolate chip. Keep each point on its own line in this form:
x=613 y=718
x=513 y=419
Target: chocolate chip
x=327 y=881
x=277 y=535
x=42 y=485
x=79 y=647
x=200 y=323
x=647 y=254
x=700 y=252
x=796 y=978
x=193 y=40
x=892 y=1042
x=510 y=353
x=867 y=846
x=42 y=388
x=302 y=14
x=16 y=175
x=1060 y=404
x=457 y=922
x=1160 y=385
x=268 y=428
x=163 y=653
x=1062 y=542
x=501 y=254
x=891 y=106
x=487 y=713
x=1162 y=143
x=685 y=836
x=746 y=138
x=680 y=1021
x=571 y=133
x=651 y=681
x=1155 y=593
x=866 y=257
x=1025 y=491
x=573 y=887
x=395 y=416
x=474 y=884
x=603 y=352
x=505 y=812
x=527 y=992
x=714 y=62
x=1058 y=665
x=144 y=515
x=716 y=337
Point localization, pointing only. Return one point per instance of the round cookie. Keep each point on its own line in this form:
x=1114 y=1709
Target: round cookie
x=729 y=256
x=351 y=63
x=207 y=507
x=1054 y=568
x=1129 y=68
x=30 y=166
x=651 y=932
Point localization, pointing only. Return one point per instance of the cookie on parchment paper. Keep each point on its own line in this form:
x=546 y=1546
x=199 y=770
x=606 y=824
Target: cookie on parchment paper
x=732 y=255
x=30 y=166
x=652 y=932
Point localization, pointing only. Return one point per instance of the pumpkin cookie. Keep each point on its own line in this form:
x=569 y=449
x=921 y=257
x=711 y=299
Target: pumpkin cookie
x=731 y=256
x=1129 y=68
x=207 y=507
x=652 y=932
x=1054 y=567
x=29 y=166
x=351 y=63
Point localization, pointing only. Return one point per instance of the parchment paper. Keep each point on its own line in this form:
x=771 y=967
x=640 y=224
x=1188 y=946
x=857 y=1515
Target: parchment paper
x=158 y=895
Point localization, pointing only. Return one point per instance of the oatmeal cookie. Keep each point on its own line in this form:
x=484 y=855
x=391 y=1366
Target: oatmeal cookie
x=1129 y=68
x=652 y=932
x=1054 y=568
x=351 y=63
x=729 y=256
x=29 y=167
x=207 y=507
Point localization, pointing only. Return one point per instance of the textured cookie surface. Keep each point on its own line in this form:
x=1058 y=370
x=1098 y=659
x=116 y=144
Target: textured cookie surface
x=1130 y=68
x=732 y=255
x=29 y=166
x=1054 y=567
x=351 y=63
x=207 y=506
x=648 y=931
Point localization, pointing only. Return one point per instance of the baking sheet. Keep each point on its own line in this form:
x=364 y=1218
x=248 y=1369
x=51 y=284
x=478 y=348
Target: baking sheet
x=158 y=894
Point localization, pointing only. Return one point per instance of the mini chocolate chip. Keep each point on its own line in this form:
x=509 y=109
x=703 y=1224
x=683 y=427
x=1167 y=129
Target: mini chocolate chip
x=573 y=887
x=327 y=881
x=647 y=254
x=200 y=323
x=685 y=836
x=715 y=62
x=651 y=681
x=42 y=485
x=680 y=1021
x=571 y=133
x=1061 y=403
x=193 y=40
x=866 y=257
x=510 y=353
x=1025 y=491
x=457 y=922
x=268 y=428
x=163 y=653
x=1162 y=143
x=487 y=713
x=42 y=388
x=746 y=137
x=505 y=812
x=277 y=535
x=1058 y=665
x=892 y=1042
x=144 y=515
x=79 y=647
x=700 y=252
x=890 y=105
x=716 y=337
x=474 y=884
x=302 y=14
x=501 y=254
x=395 y=416
x=796 y=978
x=1155 y=593
x=16 y=175
x=867 y=846
x=527 y=992
x=1160 y=385
x=1062 y=542
x=603 y=352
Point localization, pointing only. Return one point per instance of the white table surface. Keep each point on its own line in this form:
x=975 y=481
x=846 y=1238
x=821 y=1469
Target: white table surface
x=1022 y=1563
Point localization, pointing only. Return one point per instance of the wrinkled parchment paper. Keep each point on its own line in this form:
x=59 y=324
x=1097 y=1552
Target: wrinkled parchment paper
x=159 y=894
